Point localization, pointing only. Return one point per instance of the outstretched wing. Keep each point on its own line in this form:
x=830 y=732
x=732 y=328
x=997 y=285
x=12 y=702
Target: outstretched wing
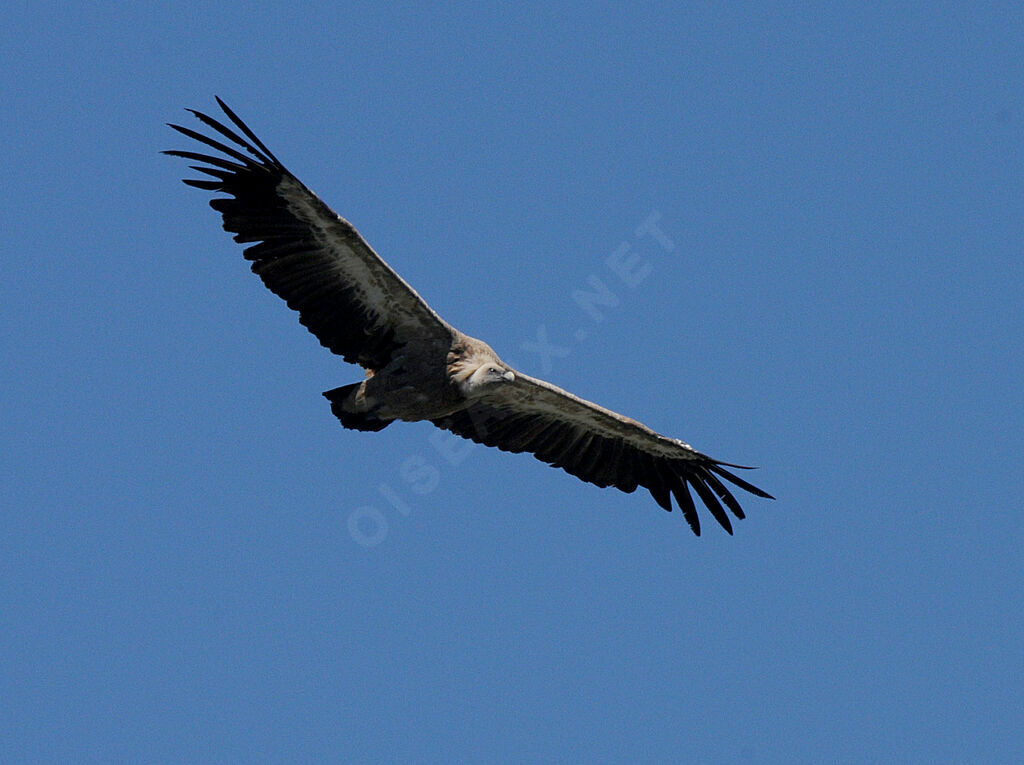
x=599 y=446
x=346 y=295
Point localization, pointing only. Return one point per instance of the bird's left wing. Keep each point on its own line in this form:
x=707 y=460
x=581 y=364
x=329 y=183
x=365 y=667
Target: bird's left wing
x=346 y=295
x=599 y=446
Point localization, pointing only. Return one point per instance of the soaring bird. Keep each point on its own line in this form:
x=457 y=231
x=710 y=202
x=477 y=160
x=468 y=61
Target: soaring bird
x=418 y=366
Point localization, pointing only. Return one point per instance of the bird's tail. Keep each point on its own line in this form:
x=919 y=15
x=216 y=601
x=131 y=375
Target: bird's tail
x=345 y=408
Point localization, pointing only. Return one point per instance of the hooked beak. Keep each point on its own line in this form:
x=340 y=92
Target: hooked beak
x=509 y=376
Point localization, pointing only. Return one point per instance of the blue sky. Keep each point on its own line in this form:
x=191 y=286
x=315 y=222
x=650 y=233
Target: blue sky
x=197 y=563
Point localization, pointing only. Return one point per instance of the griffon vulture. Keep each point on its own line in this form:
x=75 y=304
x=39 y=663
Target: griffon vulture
x=419 y=367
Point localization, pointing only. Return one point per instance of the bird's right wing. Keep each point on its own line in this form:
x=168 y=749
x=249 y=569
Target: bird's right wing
x=346 y=295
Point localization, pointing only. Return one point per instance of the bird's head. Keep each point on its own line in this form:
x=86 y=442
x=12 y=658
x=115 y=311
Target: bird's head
x=474 y=368
x=487 y=375
x=476 y=379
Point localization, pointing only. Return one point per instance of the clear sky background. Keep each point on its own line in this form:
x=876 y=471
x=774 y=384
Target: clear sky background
x=198 y=564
